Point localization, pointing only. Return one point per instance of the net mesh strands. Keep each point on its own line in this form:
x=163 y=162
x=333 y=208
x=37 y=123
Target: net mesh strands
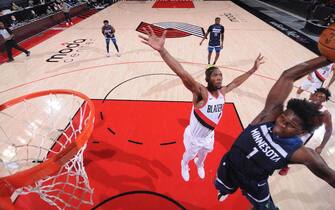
x=42 y=141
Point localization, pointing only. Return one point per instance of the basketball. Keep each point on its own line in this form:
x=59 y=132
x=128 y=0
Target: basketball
x=327 y=42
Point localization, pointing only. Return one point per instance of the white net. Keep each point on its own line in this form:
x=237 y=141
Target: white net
x=68 y=189
x=34 y=131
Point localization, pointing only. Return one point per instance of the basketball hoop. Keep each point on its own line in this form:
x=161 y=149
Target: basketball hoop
x=42 y=139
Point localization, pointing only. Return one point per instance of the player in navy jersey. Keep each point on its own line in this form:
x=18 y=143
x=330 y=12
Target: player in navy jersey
x=271 y=141
x=216 y=38
x=108 y=32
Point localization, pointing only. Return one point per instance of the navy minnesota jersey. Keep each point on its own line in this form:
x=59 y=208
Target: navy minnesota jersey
x=108 y=31
x=258 y=152
x=215 y=31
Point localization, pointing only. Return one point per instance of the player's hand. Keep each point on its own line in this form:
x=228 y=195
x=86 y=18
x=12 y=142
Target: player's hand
x=221 y=45
x=259 y=61
x=152 y=40
x=319 y=149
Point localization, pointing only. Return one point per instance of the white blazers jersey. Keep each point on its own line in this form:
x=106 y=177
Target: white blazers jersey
x=306 y=137
x=204 y=120
x=324 y=72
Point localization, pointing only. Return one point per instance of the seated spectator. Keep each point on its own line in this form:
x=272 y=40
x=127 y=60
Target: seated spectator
x=54 y=7
x=33 y=14
x=330 y=19
x=94 y=3
x=13 y=21
x=14 y=7
x=49 y=10
x=31 y=3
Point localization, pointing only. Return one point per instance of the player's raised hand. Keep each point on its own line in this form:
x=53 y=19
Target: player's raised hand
x=259 y=61
x=152 y=40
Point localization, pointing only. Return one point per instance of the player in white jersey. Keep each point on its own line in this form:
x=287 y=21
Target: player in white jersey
x=316 y=79
x=207 y=104
x=319 y=97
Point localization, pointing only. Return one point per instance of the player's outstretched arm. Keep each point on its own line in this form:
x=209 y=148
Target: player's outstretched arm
x=333 y=77
x=283 y=87
x=242 y=78
x=327 y=120
x=205 y=37
x=157 y=43
x=314 y=163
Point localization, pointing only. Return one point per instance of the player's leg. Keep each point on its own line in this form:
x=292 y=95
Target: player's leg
x=223 y=181
x=258 y=194
x=18 y=47
x=66 y=15
x=107 y=45
x=191 y=150
x=202 y=154
x=305 y=85
x=217 y=54
x=9 y=47
x=210 y=50
x=116 y=46
x=199 y=162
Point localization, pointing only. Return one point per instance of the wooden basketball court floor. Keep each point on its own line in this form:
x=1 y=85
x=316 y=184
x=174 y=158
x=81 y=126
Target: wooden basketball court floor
x=94 y=74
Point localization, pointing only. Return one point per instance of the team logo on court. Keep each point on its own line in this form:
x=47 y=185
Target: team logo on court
x=174 y=29
x=70 y=51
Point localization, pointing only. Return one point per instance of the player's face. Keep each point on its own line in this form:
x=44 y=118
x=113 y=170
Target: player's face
x=217 y=21
x=105 y=23
x=216 y=79
x=288 y=124
x=2 y=25
x=318 y=98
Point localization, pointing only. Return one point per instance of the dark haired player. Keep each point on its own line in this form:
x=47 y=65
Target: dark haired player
x=216 y=38
x=207 y=108
x=271 y=141
x=319 y=97
x=108 y=32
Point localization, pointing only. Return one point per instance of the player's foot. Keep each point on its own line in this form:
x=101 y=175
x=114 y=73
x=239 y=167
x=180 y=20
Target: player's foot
x=284 y=171
x=10 y=60
x=108 y=54
x=184 y=171
x=28 y=53
x=71 y=23
x=221 y=197
x=67 y=24
x=201 y=170
x=118 y=54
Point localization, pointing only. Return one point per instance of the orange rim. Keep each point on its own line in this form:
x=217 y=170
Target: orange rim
x=9 y=184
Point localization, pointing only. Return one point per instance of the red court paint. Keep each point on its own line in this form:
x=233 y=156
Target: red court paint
x=173 y=4
x=133 y=159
